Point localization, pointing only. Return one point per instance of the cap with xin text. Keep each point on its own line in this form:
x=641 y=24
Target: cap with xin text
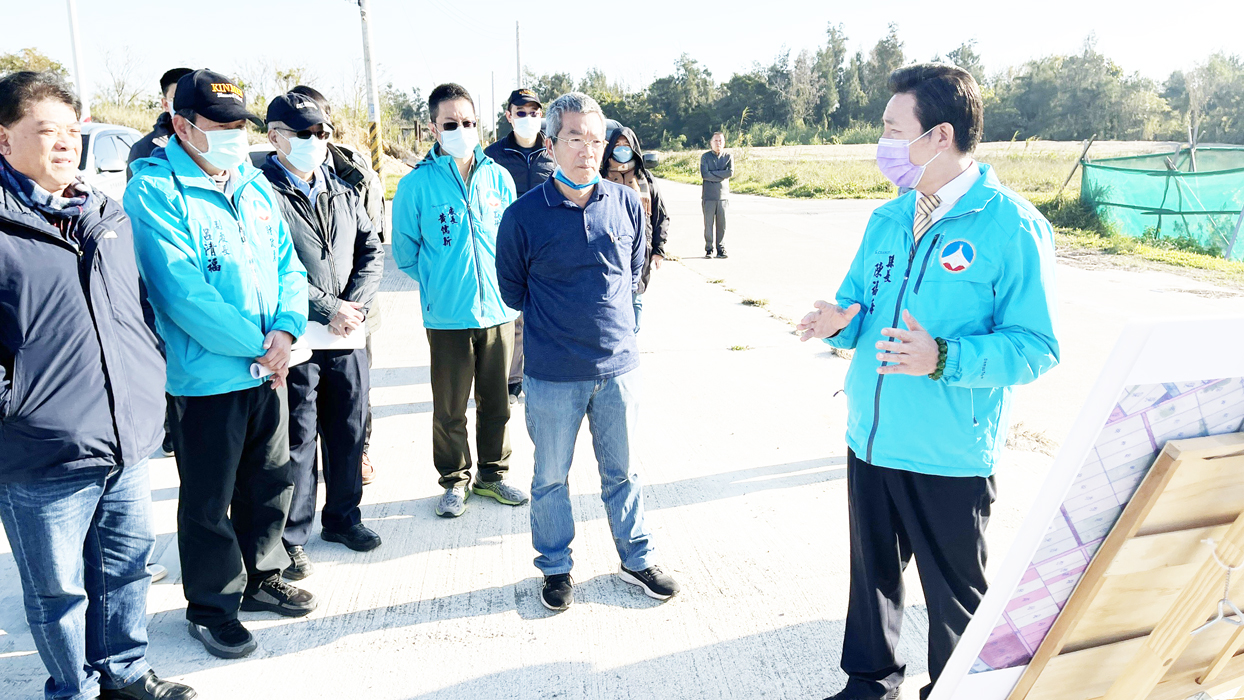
x=212 y=95
x=524 y=96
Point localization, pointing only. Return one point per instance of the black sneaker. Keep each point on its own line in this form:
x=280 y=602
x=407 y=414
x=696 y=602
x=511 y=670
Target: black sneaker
x=558 y=592
x=721 y=252
x=358 y=537
x=300 y=564
x=228 y=641
x=516 y=390
x=708 y=253
x=896 y=694
x=149 y=687
x=166 y=447
x=655 y=582
x=274 y=595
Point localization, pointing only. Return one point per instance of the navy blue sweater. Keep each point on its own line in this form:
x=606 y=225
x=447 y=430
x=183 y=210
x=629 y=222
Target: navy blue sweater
x=571 y=271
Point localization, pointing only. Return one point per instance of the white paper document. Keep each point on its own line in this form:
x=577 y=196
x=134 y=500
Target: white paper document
x=319 y=337
x=297 y=356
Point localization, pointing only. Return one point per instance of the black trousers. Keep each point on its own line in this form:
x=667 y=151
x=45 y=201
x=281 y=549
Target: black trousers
x=460 y=358
x=367 y=430
x=893 y=515
x=233 y=459
x=328 y=398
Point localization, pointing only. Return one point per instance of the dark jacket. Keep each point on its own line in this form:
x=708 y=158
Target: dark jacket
x=528 y=170
x=158 y=138
x=657 y=226
x=354 y=168
x=716 y=171
x=81 y=374
x=334 y=240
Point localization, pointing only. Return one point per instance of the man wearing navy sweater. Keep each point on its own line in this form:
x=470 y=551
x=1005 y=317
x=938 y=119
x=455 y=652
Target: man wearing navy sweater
x=569 y=255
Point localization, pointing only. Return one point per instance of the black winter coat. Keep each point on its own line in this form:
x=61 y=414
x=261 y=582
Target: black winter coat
x=158 y=138
x=335 y=242
x=528 y=171
x=657 y=228
x=81 y=373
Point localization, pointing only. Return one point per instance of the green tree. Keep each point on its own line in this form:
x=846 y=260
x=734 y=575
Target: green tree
x=30 y=59
x=884 y=59
x=966 y=58
x=829 y=71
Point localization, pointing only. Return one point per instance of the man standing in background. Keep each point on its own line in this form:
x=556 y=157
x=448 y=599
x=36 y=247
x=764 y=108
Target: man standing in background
x=716 y=169
x=158 y=138
x=353 y=167
x=523 y=154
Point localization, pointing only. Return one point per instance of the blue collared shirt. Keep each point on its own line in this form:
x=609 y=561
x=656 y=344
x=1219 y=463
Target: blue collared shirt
x=572 y=271
x=311 y=189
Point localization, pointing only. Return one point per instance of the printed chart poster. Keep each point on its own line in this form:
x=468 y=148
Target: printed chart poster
x=1143 y=420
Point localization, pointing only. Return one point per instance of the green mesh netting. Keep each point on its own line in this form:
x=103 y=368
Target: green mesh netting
x=1159 y=195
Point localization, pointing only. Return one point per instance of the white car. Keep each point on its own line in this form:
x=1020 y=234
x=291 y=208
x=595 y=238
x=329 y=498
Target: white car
x=105 y=152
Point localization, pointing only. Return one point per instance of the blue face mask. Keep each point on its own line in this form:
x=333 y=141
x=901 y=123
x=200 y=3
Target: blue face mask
x=623 y=154
x=561 y=177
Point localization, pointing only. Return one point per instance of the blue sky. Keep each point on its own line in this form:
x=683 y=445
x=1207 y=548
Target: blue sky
x=421 y=43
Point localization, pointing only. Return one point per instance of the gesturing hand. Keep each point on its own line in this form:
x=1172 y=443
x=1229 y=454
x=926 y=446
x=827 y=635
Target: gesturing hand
x=912 y=351
x=826 y=320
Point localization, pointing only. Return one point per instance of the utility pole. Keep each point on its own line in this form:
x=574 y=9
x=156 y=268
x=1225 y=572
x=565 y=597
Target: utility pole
x=492 y=108
x=78 y=83
x=373 y=95
x=518 y=56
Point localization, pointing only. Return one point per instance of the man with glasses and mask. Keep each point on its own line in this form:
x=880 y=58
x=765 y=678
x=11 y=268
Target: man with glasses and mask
x=328 y=394
x=445 y=218
x=230 y=297
x=522 y=152
x=967 y=267
x=569 y=256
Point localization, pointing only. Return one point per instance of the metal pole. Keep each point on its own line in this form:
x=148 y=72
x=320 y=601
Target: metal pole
x=78 y=83
x=518 y=57
x=1235 y=236
x=373 y=95
x=492 y=107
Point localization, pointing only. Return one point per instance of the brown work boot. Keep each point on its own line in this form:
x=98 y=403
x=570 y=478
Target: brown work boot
x=369 y=472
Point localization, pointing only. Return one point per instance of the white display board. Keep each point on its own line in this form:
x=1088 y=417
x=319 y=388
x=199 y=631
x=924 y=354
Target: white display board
x=1164 y=381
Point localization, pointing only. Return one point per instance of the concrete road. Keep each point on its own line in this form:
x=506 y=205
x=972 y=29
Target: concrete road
x=743 y=461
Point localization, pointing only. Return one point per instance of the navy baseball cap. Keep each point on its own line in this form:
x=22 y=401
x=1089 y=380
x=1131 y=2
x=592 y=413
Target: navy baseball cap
x=214 y=96
x=523 y=96
x=296 y=111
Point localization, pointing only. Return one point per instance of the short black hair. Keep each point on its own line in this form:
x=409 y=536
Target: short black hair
x=316 y=96
x=21 y=89
x=445 y=93
x=170 y=78
x=944 y=94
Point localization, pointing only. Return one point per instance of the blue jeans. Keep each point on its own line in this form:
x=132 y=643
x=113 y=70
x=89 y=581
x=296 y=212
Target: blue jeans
x=81 y=542
x=554 y=411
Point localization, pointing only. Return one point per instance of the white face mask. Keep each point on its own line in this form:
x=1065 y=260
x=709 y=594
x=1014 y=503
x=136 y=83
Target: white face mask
x=305 y=155
x=460 y=142
x=527 y=128
x=226 y=148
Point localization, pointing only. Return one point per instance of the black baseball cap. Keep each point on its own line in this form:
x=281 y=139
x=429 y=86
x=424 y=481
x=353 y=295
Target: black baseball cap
x=523 y=96
x=296 y=111
x=214 y=96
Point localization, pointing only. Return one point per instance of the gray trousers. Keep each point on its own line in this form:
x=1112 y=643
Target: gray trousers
x=714 y=211
x=516 y=364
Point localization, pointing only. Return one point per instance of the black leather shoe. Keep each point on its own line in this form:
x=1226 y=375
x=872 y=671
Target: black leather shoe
x=149 y=687
x=896 y=694
x=359 y=538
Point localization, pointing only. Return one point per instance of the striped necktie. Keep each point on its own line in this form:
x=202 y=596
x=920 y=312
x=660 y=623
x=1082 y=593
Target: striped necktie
x=924 y=214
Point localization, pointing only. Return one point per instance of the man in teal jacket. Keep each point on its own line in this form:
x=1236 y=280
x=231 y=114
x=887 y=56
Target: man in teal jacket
x=230 y=297
x=948 y=304
x=445 y=218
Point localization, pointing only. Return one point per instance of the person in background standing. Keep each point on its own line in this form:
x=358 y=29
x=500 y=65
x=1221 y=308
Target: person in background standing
x=623 y=163
x=716 y=169
x=158 y=137
x=354 y=168
x=522 y=152
x=328 y=393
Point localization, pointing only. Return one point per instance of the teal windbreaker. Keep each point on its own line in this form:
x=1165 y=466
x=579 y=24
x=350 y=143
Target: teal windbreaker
x=221 y=272
x=982 y=278
x=445 y=236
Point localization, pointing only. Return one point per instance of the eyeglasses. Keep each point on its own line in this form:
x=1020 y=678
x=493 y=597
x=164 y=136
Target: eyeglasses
x=322 y=135
x=450 y=126
x=578 y=144
x=520 y=113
